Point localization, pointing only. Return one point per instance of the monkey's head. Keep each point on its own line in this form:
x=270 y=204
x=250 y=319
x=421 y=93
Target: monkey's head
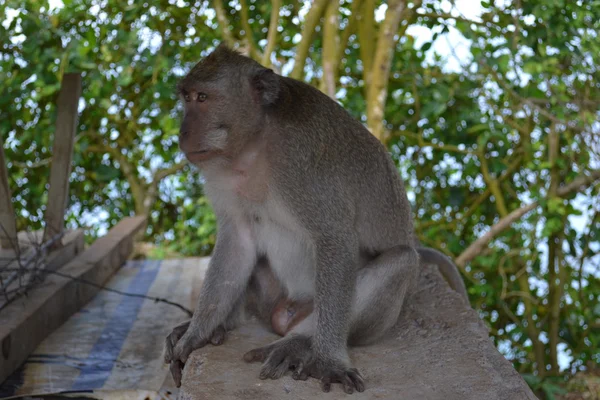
x=226 y=98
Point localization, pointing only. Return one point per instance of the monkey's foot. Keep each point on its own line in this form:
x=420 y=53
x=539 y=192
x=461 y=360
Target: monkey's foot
x=295 y=353
x=292 y=352
x=181 y=342
x=330 y=371
x=289 y=313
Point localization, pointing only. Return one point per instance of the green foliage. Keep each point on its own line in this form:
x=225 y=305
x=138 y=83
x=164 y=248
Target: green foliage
x=550 y=387
x=474 y=145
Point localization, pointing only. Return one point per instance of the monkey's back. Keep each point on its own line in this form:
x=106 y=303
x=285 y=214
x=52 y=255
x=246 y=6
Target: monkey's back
x=339 y=163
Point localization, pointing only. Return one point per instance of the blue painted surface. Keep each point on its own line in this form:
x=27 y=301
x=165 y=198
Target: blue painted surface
x=98 y=365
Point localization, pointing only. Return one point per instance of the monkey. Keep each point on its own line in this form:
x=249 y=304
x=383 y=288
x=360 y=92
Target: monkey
x=314 y=228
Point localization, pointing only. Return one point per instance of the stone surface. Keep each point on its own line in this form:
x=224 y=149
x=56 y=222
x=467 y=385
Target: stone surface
x=439 y=350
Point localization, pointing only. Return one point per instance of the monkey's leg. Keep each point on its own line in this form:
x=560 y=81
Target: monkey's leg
x=225 y=283
x=381 y=287
x=264 y=296
x=217 y=337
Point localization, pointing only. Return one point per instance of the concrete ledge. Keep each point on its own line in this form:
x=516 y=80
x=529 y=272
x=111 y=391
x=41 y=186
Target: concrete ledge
x=440 y=349
x=28 y=320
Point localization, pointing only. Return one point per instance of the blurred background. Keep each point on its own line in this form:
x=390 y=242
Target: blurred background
x=490 y=109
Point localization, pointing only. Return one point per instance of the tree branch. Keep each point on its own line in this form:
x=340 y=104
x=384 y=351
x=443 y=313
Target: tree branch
x=252 y=48
x=138 y=189
x=506 y=86
x=223 y=22
x=272 y=35
x=366 y=37
x=377 y=89
x=422 y=143
x=492 y=184
x=450 y=16
x=348 y=30
x=312 y=18
x=160 y=174
x=554 y=259
x=330 y=45
x=476 y=247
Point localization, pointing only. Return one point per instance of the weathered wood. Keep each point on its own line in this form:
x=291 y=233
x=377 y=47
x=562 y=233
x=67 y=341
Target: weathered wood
x=73 y=243
x=8 y=226
x=27 y=321
x=62 y=153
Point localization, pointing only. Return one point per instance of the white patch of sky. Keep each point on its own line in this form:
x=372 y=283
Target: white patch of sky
x=453 y=46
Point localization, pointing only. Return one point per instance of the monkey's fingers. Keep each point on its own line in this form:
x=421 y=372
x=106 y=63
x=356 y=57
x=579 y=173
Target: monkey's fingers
x=172 y=339
x=260 y=354
x=176 y=369
x=300 y=373
x=218 y=336
x=357 y=379
x=170 y=343
x=276 y=369
x=350 y=379
x=326 y=384
x=188 y=343
x=348 y=384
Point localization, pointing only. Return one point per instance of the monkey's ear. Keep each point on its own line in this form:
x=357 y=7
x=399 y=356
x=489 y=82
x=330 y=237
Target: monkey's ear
x=266 y=84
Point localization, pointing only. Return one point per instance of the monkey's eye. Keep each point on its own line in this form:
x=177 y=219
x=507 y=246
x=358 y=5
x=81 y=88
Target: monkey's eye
x=187 y=97
x=201 y=97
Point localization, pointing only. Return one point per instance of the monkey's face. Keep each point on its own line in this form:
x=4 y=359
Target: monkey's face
x=204 y=129
x=225 y=99
x=219 y=118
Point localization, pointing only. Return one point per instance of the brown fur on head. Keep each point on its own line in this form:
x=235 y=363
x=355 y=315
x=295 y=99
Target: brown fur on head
x=226 y=97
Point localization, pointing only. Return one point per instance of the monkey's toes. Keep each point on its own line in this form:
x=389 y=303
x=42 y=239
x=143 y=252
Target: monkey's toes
x=300 y=373
x=350 y=379
x=275 y=368
x=260 y=354
x=218 y=336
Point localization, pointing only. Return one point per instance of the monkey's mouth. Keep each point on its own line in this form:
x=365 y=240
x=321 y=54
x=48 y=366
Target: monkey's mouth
x=199 y=155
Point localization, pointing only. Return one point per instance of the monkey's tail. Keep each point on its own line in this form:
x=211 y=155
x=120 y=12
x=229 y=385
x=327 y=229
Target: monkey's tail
x=448 y=269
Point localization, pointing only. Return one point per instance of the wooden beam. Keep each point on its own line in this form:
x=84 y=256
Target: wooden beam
x=8 y=225
x=27 y=321
x=62 y=154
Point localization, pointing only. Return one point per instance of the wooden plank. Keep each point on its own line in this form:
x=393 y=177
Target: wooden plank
x=73 y=243
x=26 y=322
x=62 y=154
x=8 y=225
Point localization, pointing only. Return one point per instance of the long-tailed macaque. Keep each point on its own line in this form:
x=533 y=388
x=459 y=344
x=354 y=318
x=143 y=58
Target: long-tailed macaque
x=315 y=234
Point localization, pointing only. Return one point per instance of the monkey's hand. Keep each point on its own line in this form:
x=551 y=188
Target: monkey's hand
x=181 y=342
x=295 y=352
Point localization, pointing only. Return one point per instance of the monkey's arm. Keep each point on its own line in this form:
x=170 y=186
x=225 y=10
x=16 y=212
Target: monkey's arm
x=335 y=281
x=226 y=279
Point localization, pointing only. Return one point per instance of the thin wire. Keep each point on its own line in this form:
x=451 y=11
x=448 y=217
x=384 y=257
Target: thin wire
x=155 y=299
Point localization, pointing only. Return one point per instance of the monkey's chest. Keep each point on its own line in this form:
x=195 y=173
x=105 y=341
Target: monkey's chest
x=290 y=253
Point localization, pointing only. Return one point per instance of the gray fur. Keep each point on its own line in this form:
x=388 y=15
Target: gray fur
x=301 y=188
